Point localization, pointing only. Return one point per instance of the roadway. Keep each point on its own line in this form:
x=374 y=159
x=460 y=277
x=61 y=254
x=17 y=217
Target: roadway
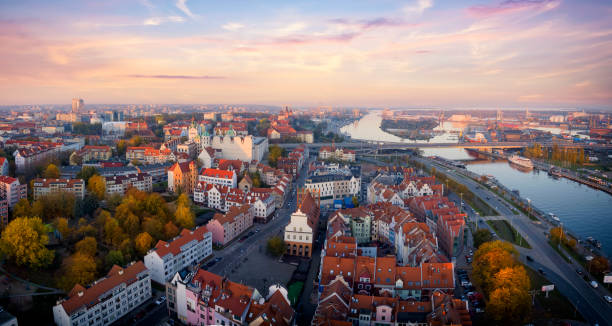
x=236 y=251
x=588 y=301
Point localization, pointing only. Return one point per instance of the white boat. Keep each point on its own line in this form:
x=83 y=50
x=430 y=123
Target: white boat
x=521 y=161
x=554 y=217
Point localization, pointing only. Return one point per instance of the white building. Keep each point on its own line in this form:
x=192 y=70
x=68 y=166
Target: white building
x=333 y=186
x=219 y=177
x=119 y=184
x=11 y=190
x=107 y=300
x=167 y=258
x=43 y=187
x=232 y=147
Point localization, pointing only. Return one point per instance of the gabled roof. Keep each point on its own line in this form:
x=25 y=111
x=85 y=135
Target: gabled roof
x=163 y=248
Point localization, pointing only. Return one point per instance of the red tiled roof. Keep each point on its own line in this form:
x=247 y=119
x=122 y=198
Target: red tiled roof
x=216 y=173
x=162 y=248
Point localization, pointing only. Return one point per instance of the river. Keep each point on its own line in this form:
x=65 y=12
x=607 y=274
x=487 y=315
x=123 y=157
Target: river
x=583 y=210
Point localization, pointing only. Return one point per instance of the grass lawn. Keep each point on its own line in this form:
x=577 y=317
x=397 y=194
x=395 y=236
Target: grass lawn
x=295 y=290
x=505 y=231
x=555 y=306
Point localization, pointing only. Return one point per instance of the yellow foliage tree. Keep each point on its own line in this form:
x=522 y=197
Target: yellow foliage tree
x=63 y=227
x=22 y=208
x=97 y=186
x=51 y=172
x=512 y=277
x=24 y=240
x=87 y=246
x=183 y=200
x=509 y=305
x=170 y=230
x=143 y=242
x=78 y=269
x=184 y=217
x=489 y=259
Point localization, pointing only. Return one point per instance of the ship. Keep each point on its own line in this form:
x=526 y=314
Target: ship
x=475 y=138
x=554 y=217
x=521 y=161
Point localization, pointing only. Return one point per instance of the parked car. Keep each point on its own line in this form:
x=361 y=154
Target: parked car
x=541 y=271
x=161 y=300
x=579 y=272
x=529 y=258
x=608 y=298
x=594 y=284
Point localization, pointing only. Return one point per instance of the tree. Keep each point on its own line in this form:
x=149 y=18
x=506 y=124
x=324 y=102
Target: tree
x=97 y=186
x=509 y=305
x=78 y=269
x=599 y=265
x=63 y=227
x=170 y=230
x=274 y=153
x=184 y=217
x=355 y=201
x=153 y=227
x=87 y=246
x=184 y=200
x=276 y=246
x=481 y=236
x=51 y=172
x=121 y=147
x=489 y=259
x=114 y=257
x=22 y=208
x=86 y=173
x=24 y=241
x=143 y=243
x=515 y=276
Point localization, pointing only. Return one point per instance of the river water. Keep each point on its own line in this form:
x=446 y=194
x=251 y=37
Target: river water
x=583 y=210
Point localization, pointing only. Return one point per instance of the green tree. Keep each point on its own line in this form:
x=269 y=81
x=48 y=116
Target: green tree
x=87 y=246
x=114 y=257
x=276 y=246
x=51 y=172
x=97 y=186
x=355 y=201
x=481 y=236
x=24 y=241
x=86 y=173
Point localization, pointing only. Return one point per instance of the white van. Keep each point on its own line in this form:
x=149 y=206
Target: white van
x=594 y=284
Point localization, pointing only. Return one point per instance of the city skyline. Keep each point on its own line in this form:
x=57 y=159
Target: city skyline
x=421 y=53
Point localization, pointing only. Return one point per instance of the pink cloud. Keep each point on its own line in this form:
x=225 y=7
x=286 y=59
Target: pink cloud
x=175 y=76
x=511 y=6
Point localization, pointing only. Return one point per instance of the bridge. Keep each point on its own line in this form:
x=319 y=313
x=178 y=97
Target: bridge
x=380 y=145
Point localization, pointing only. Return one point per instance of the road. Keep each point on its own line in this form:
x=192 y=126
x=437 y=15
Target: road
x=587 y=300
x=233 y=254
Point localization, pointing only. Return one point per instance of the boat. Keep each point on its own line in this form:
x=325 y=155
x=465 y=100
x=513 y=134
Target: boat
x=476 y=137
x=521 y=161
x=554 y=217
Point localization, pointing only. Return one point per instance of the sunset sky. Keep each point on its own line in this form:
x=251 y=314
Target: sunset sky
x=421 y=53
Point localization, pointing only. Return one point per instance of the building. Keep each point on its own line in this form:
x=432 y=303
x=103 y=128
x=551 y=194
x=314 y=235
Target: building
x=226 y=227
x=334 y=186
x=149 y=155
x=11 y=190
x=91 y=153
x=167 y=258
x=158 y=172
x=219 y=177
x=121 y=183
x=191 y=148
x=182 y=177
x=4 y=166
x=302 y=229
x=107 y=300
x=77 y=105
x=204 y=298
x=331 y=152
x=4 y=213
x=43 y=187
x=233 y=147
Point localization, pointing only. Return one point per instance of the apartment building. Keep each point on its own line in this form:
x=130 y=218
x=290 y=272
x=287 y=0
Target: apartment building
x=182 y=177
x=121 y=183
x=334 y=186
x=4 y=166
x=11 y=190
x=302 y=229
x=331 y=152
x=188 y=248
x=91 y=153
x=226 y=227
x=107 y=300
x=43 y=187
x=4 y=213
x=219 y=177
x=149 y=155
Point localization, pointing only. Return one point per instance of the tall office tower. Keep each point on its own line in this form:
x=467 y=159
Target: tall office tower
x=77 y=105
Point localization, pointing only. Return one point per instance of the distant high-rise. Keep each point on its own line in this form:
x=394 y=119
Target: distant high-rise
x=77 y=105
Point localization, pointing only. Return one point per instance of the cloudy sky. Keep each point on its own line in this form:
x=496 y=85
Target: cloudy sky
x=414 y=53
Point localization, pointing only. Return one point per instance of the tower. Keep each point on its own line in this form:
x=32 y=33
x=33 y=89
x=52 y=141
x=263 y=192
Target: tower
x=77 y=105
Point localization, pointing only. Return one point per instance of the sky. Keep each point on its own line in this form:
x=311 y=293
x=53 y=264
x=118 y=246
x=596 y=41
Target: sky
x=380 y=53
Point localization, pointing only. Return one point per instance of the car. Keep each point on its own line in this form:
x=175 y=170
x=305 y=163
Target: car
x=257 y=230
x=479 y=310
x=210 y=264
x=541 y=271
x=579 y=272
x=488 y=197
x=528 y=258
x=161 y=300
x=218 y=259
x=608 y=298
x=594 y=284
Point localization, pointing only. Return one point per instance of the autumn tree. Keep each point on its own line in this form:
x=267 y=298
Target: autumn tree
x=599 y=265
x=77 y=269
x=22 y=208
x=143 y=243
x=509 y=305
x=97 y=186
x=274 y=153
x=51 y=172
x=86 y=173
x=24 y=241
x=170 y=230
x=183 y=200
x=63 y=227
x=489 y=259
x=87 y=246
x=184 y=217
x=54 y=205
